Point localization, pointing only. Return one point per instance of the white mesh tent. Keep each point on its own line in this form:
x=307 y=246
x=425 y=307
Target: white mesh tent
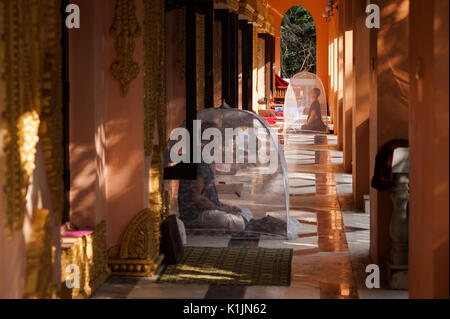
x=305 y=106
x=241 y=185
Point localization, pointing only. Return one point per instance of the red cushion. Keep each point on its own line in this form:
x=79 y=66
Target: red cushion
x=271 y=120
x=77 y=233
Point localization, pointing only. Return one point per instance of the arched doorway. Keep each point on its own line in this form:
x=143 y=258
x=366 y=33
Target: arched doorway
x=298 y=42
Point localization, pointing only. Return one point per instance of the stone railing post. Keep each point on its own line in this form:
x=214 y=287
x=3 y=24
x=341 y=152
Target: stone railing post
x=398 y=266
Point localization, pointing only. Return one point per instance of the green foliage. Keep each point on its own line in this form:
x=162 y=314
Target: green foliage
x=298 y=42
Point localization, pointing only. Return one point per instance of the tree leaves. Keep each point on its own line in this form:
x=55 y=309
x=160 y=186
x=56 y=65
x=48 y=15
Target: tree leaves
x=298 y=42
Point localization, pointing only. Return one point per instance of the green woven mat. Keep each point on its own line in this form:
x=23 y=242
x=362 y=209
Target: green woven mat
x=231 y=267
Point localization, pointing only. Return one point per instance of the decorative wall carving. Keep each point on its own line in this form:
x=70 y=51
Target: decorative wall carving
x=138 y=253
x=247 y=8
x=33 y=98
x=51 y=128
x=259 y=14
x=125 y=28
x=90 y=254
x=154 y=107
x=233 y=5
x=154 y=73
x=39 y=283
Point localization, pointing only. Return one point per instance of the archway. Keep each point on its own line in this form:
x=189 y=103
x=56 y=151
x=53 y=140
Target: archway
x=298 y=42
x=315 y=7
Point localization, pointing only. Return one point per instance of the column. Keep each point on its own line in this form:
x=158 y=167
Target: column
x=126 y=192
x=361 y=105
x=234 y=81
x=209 y=53
x=247 y=64
x=429 y=144
x=347 y=114
x=222 y=15
x=87 y=111
x=388 y=112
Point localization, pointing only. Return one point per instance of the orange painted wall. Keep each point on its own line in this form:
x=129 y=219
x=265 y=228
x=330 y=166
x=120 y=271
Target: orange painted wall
x=279 y=8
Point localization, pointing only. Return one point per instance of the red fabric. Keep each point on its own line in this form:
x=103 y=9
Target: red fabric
x=280 y=82
x=77 y=233
x=383 y=178
x=279 y=113
x=270 y=120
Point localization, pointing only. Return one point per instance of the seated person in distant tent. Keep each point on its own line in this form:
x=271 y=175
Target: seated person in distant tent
x=314 y=121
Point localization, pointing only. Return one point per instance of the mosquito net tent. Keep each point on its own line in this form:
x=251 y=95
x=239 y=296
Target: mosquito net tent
x=238 y=180
x=305 y=106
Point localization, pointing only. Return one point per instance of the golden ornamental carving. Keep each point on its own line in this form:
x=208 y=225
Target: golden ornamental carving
x=138 y=253
x=125 y=29
x=154 y=109
x=51 y=128
x=247 y=8
x=136 y=241
x=260 y=13
x=39 y=283
x=32 y=73
x=154 y=73
x=90 y=254
x=232 y=5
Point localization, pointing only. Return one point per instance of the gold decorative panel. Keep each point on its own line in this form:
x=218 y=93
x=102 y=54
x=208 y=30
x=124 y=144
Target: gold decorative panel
x=39 y=283
x=125 y=29
x=51 y=128
x=31 y=36
x=154 y=73
x=232 y=5
x=90 y=254
x=247 y=8
x=138 y=253
x=260 y=13
x=154 y=106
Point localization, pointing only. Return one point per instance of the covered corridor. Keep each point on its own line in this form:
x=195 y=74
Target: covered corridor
x=87 y=113
x=330 y=254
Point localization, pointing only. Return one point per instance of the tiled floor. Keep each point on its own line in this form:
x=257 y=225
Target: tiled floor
x=330 y=254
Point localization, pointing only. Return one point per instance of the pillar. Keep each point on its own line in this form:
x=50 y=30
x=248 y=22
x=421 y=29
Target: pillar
x=126 y=188
x=429 y=149
x=209 y=53
x=229 y=57
x=340 y=72
x=388 y=111
x=247 y=64
x=217 y=61
x=87 y=114
x=234 y=52
x=361 y=105
x=347 y=112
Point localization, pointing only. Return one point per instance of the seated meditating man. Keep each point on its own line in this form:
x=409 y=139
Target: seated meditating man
x=314 y=121
x=198 y=201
